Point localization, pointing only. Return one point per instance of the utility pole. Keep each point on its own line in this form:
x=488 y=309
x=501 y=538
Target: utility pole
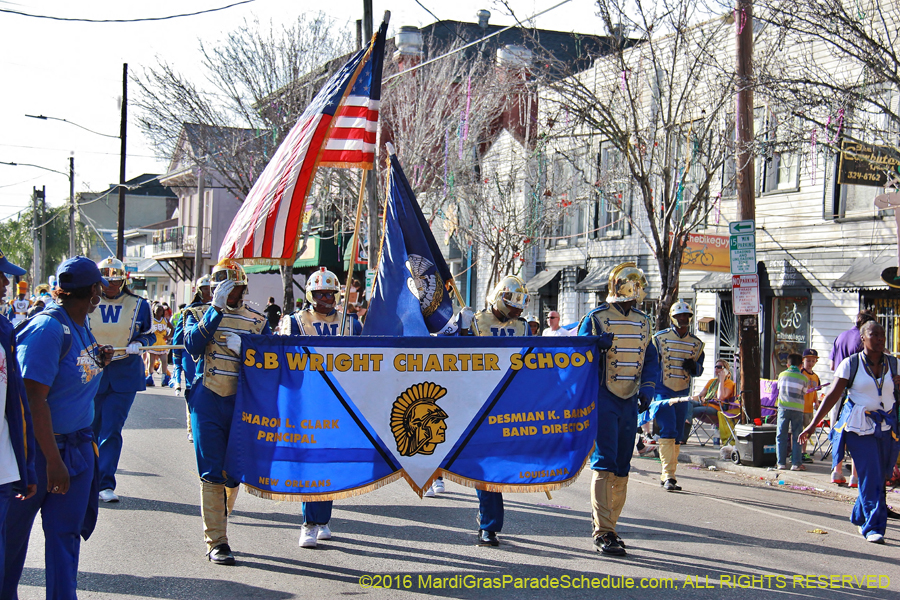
x=201 y=204
x=123 y=125
x=359 y=34
x=748 y=329
x=371 y=187
x=71 y=206
x=36 y=196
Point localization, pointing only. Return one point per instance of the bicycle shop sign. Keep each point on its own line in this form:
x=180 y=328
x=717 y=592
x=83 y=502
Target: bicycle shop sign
x=705 y=252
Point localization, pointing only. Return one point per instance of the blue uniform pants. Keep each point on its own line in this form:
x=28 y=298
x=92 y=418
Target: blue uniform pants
x=6 y=496
x=62 y=517
x=872 y=458
x=671 y=419
x=211 y=423
x=490 y=510
x=316 y=513
x=616 y=430
x=110 y=412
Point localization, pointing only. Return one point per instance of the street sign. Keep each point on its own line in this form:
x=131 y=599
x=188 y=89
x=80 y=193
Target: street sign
x=738 y=227
x=743 y=254
x=745 y=294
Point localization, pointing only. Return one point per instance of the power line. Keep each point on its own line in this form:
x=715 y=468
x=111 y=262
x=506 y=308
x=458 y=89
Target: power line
x=77 y=20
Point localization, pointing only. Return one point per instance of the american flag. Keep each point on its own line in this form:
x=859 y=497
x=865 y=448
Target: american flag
x=337 y=129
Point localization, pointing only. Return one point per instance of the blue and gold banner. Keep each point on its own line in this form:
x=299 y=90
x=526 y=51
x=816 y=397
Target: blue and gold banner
x=325 y=418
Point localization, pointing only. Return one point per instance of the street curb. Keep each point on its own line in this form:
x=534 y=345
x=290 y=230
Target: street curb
x=788 y=477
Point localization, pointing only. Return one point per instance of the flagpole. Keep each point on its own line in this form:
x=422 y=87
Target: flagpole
x=354 y=255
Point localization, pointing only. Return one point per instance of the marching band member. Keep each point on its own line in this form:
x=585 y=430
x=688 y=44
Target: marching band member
x=322 y=317
x=124 y=322
x=18 y=479
x=184 y=363
x=20 y=304
x=627 y=381
x=212 y=337
x=161 y=329
x=502 y=318
x=680 y=357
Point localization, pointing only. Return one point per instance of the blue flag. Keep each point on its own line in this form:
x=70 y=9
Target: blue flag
x=412 y=289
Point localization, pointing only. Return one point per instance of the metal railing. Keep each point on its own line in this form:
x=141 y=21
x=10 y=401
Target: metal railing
x=180 y=240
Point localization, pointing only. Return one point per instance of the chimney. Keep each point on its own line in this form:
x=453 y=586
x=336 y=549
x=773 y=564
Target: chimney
x=409 y=43
x=483 y=16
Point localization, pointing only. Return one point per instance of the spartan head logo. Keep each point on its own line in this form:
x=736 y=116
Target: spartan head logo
x=417 y=421
x=425 y=283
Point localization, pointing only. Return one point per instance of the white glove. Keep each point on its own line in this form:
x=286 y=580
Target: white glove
x=133 y=348
x=233 y=342
x=220 y=296
x=465 y=317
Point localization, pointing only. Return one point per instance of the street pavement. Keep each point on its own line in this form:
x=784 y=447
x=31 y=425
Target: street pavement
x=729 y=534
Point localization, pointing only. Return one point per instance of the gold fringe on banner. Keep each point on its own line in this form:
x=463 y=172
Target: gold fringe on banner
x=514 y=489
x=367 y=166
x=282 y=497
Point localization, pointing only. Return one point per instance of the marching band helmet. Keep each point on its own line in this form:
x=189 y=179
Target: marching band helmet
x=509 y=293
x=323 y=280
x=226 y=269
x=202 y=282
x=626 y=282
x=681 y=308
x=22 y=286
x=112 y=269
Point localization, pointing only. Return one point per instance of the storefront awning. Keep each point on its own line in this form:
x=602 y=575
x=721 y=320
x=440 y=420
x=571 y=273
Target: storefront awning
x=714 y=282
x=598 y=278
x=540 y=280
x=865 y=273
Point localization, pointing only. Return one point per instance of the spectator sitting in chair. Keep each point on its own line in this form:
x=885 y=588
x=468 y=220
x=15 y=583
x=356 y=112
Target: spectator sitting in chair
x=717 y=392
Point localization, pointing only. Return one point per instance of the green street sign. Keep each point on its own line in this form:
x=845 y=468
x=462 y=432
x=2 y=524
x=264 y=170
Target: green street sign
x=747 y=226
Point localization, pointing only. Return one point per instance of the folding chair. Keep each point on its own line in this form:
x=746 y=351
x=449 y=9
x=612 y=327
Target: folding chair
x=822 y=440
x=700 y=425
x=768 y=400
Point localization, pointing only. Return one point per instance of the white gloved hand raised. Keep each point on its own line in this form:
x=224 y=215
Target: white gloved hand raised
x=133 y=348
x=233 y=342
x=465 y=317
x=220 y=296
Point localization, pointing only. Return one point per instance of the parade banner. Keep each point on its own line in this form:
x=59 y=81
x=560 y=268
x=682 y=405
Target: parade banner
x=325 y=418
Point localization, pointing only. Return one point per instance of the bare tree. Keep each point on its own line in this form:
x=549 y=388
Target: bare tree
x=659 y=103
x=258 y=81
x=837 y=69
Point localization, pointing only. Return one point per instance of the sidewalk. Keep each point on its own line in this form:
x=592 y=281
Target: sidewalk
x=816 y=476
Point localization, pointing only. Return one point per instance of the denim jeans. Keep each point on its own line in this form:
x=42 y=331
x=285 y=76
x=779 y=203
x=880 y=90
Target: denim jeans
x=792 y=419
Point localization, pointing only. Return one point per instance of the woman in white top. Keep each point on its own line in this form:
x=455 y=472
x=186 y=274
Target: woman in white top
x=867 y=425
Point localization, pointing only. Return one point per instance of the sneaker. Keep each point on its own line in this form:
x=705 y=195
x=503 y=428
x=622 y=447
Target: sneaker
x=781 y=467
x=891 y=514
x=648 y=450
x=177 y=390
x=324 y=533
x=308 y=536
x=798 y=467
x=108 y=495
x=151 y=384
x=609 y=544
x=837 y=478
x=429 y=493
x=190 y=437
x=807 y=458
x=438 y=486
x=221 y=555
x=875 y=538
x=854 y=482
x=487 y=538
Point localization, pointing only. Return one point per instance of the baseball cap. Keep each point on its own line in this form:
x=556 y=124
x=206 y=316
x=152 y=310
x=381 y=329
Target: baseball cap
x=810 y=352
x=78 y=272
x=9 y=268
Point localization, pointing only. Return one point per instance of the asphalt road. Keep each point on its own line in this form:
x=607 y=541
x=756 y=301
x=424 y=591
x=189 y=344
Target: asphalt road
x=724 y=536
